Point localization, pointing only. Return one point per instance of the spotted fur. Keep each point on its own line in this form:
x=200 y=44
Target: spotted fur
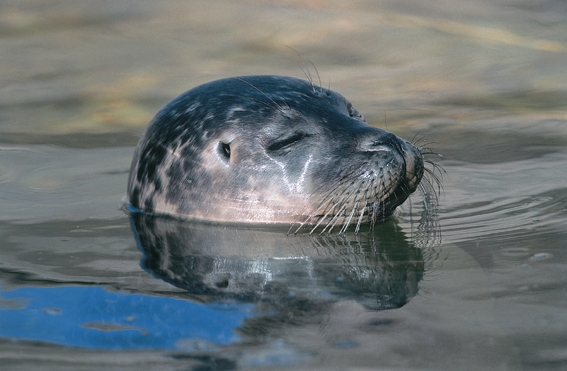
x=270 y=149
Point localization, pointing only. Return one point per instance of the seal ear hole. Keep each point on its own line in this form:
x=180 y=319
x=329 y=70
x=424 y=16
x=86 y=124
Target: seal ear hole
x=223 y=150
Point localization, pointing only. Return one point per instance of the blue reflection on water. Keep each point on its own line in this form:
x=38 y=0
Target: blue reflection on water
x=95 y=318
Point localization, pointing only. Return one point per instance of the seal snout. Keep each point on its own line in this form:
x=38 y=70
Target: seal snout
x=414 y=164
x=381 y=141
x=402 y=156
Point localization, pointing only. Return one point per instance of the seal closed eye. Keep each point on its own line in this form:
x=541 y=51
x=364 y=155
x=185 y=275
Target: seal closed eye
x=270 y=149
x=279 y=143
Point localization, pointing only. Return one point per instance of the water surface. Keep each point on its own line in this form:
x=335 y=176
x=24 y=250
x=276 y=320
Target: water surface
x=482 y=285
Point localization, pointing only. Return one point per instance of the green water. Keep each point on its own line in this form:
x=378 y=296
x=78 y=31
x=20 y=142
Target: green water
x=483 y=83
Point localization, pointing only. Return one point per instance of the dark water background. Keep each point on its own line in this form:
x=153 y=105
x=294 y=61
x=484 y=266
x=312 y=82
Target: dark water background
x=484 y=83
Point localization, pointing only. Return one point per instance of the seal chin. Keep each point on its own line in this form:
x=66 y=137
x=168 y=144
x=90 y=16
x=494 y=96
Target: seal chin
x=270 y=149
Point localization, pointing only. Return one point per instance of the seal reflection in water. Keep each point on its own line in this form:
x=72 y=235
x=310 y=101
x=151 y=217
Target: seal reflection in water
x=270 y=149
x=379 y=270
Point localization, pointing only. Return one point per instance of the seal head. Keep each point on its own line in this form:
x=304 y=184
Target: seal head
x=270 y=149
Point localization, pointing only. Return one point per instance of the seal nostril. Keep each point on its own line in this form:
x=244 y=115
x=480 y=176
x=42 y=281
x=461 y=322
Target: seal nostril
x=385 y=142
x=224 y=151
x=374 y=146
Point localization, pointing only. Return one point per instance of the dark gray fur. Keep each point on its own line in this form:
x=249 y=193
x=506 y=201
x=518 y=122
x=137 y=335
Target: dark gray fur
x=290 y=142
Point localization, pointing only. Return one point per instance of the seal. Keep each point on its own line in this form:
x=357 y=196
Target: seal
x=270 y=150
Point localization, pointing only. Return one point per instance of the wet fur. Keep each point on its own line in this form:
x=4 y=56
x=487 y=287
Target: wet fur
x=272 y=149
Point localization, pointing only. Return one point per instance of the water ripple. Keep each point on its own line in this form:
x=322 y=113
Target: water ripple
x=506 y=199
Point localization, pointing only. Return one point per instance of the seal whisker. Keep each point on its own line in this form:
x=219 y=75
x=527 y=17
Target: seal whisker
x=303 y=67
x=425 y=191
x=280 y=108
x=421 y=141
x=345 y=200
x=414 y=140
x=437 y=167
x=334 y=220
x=327 y=198
x=426 y=151
x=358 y=196
x=312 y=214
x=318 y=77
x=435 y=175
x=428 y=190
x=375 y=206
x=307 y=73
x=360 y=218
x=324 y=216
x=342 y=198
x=322 y=206
x=369 y=194
x=349 y=219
